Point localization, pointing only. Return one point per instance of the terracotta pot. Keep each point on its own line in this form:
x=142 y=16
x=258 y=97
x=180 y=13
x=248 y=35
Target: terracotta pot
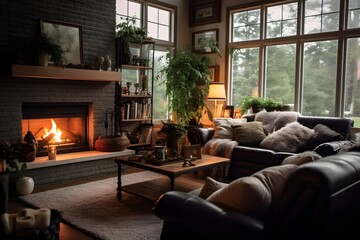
x=112 y=144
x=25 y=185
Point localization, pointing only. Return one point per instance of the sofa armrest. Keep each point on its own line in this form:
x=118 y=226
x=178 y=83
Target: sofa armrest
x=200 y=135
x=331 y=148
x=185 y=213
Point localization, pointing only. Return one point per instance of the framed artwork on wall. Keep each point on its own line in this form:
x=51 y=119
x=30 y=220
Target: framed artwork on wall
x=204 y=12
x=228 y=112
x=214 y=73
x=68 y=36
x=199 y=40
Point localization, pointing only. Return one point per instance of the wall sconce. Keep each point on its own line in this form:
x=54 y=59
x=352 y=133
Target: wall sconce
x=217 y=93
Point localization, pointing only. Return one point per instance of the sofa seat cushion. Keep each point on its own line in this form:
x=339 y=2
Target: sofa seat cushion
x=249 y=134
x=223 y=129
x=290 y=138
x=254 y=194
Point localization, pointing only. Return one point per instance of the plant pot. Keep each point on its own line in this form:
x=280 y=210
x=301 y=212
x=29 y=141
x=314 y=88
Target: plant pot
x=112 y=144
x=25 y=185
x=4 y=192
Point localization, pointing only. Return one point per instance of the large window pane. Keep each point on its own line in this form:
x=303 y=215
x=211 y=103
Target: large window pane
x=246 y=25
x=352 y=81
x=319 y=78
x=281 y=20
x=159 y=101
x=354 y=14
x=158 y=23
x=245 y=74
x=321 y=16
x=280 y=72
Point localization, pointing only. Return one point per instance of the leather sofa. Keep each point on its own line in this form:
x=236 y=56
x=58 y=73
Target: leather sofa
x=248 y=160
x=319 y=200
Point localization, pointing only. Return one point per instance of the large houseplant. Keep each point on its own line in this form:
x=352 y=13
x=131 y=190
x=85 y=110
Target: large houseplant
x=172 y=132
x=186 y=77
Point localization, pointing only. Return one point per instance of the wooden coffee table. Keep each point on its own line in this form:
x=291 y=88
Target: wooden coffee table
x=171 y=170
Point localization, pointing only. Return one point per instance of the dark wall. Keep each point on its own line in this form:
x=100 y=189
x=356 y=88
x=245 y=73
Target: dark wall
x=20 y=27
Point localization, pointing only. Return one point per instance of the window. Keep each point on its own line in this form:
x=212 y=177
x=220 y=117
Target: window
x=280 y=72
x=321 y=16
x=246 y=25
x=158 y=20
x=354 y=14
x=281 y=20
x=302 y=66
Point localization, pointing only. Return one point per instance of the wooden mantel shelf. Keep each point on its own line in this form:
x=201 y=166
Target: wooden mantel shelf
x=27 y=71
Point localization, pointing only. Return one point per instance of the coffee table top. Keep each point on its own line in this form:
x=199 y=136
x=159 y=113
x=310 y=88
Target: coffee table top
x=176 y=168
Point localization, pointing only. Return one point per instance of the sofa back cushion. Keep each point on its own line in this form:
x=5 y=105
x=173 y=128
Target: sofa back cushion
x=273 y=121
x=253 y=195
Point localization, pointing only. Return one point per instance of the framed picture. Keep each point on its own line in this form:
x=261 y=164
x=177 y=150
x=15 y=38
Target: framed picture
x=199 y=40
x=228 y=112
x=68 y=36
x=204 y=12
x=214 y=73
x=192 y=151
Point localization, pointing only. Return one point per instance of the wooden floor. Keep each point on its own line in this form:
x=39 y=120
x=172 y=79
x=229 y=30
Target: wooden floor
x=66 y=231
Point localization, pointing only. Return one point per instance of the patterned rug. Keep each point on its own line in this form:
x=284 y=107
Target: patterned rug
x=93 y=208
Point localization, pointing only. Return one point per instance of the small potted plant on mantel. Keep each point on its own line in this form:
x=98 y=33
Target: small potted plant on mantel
x=47 y=48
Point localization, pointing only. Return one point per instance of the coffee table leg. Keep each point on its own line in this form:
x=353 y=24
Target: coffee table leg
x=172 y=183
x=225 y=172
x=119 y=194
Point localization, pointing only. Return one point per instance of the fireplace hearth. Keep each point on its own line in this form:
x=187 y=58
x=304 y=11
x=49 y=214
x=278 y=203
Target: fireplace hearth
x=64 y=125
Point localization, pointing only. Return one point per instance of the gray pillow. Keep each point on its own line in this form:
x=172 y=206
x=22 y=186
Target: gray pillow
x=210 y=186
x=290 y=138
x=249 y=134
x=301 y=158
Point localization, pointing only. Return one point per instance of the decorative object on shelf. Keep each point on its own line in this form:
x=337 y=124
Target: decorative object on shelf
x=128 y=85
x=136 y=88
x=100 y=61
x=184 y=72
x=172 y=132
x=107 y=63
x=67 y=36
x=48 y=48
x=204 y=12
x=204 y=41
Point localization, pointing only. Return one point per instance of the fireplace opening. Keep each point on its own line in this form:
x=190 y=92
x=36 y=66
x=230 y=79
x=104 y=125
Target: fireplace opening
x=64 y=125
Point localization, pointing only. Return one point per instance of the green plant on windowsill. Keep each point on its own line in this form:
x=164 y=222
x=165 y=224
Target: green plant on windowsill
x=272 y=104
x=255 y=103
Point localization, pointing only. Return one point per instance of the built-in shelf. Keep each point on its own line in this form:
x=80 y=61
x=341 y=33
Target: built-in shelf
x=28 y=71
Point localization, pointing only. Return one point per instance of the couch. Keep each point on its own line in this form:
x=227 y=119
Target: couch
x=318 y=200
x=246 y=160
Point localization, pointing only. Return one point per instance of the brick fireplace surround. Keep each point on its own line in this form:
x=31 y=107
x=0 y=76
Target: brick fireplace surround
x=19 y=21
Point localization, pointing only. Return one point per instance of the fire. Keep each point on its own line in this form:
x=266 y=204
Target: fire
x=54 y=135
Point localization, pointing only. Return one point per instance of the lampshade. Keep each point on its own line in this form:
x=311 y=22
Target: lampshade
x=217 y=91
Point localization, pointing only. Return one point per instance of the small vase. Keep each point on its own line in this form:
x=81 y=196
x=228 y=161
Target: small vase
x=25 y=185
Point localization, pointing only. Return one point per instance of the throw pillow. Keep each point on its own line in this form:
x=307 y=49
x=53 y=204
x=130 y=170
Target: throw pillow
x=290 y=138
x=223 y=128
x=210 y=186
x=253 y=195
x=249 y=134
x=219 y=147
x=273 y=121
x=301 y=158
x=323 y=134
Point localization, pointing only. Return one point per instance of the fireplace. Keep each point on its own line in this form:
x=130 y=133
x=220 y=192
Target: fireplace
x=64 y=125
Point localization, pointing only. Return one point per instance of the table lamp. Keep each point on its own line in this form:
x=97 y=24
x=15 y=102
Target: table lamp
x=216 y=93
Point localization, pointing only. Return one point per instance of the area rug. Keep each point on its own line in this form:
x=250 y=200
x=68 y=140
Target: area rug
x=93 y=208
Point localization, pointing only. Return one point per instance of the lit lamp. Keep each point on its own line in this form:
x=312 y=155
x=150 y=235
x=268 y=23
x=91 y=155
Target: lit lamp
x=216 y=93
